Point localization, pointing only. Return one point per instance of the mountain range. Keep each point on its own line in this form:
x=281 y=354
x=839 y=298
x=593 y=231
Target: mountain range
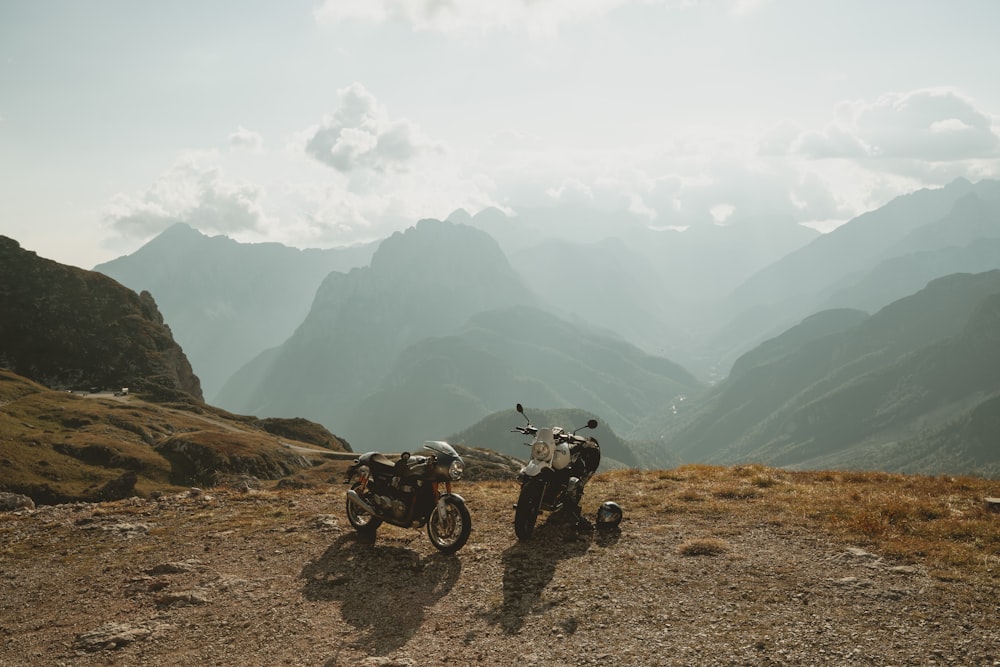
x=866 y=346
x=227 y=301
x=868 y=262
x=847 y=389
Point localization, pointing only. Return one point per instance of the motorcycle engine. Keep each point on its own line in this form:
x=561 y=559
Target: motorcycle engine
x=390 y=505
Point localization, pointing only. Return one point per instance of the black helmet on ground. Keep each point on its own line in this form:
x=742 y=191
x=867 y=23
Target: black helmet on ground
x=609 y=515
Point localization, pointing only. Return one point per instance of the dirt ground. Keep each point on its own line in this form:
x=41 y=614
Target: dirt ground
x=279 y=578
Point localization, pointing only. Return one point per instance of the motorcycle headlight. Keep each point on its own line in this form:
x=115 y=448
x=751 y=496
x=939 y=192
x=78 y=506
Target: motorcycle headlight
x=541 y=451
x=456 y=469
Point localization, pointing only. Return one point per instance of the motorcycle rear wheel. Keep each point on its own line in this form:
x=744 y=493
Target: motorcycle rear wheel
x=360 y=520
x=528 y=502
x=450 y=534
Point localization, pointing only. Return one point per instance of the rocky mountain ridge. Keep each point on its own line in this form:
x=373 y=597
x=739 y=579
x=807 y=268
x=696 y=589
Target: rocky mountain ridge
x=228 y=301
x=73 y=329
x=846 y=388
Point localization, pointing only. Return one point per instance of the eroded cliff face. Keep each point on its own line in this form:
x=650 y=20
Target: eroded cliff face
x=68 y=328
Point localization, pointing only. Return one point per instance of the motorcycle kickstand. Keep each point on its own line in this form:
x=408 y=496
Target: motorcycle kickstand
x=581 y=523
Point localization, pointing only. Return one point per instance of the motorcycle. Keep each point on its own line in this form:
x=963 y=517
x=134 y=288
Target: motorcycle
x=406 y=492
x=561 y=463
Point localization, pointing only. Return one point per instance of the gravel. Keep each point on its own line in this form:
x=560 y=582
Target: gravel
x=279 y=578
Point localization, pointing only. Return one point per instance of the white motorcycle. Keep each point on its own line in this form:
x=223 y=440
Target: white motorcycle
x=561 y=463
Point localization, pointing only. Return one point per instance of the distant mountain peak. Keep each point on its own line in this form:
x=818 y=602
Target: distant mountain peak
x=960 y=183
x=460 y=215
x=433 y=245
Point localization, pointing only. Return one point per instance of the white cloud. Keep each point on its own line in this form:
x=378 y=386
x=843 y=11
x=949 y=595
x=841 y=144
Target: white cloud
x=780 y=139
x=872 y=151
x=721 y=212
x=835 y=141
x=480 y=16
x=191 y=192
x=571 y=190
x=638 y=207
x=359 y=135
x=744 y=7
x=386 y=174
x=344 y=211
x=933 y=125
x=950 y=125
x=361 y=174
x=247 y=140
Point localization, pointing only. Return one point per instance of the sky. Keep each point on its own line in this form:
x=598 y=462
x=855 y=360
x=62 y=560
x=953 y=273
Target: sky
x=326 y=123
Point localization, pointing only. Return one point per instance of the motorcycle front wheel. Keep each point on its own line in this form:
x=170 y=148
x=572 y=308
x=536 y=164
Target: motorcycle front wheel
x=360 y=520
x=449 y=534
x=528 y=503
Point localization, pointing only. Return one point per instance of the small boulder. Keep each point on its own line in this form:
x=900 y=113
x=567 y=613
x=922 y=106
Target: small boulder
x=11 y=502
x=111 y=636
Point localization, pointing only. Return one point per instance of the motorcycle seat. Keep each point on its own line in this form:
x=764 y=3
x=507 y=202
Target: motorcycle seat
x=397 y=467
x=382 y=460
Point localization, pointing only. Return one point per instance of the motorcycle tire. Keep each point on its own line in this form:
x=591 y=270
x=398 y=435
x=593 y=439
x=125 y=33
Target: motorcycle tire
x=528 y=503
x=450 y=534
x=360 y=520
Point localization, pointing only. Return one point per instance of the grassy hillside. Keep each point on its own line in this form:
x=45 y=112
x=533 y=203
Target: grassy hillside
x=57 y=446
x=844 y=391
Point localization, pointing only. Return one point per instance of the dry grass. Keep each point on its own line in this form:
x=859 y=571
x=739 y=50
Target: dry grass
x=703 y=546
x=713 y=565
x=940 y=522
x=59 y=447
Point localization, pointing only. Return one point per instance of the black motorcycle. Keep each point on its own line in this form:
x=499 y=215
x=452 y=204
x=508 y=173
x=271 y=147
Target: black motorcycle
x=406 y=492
x=553 y=478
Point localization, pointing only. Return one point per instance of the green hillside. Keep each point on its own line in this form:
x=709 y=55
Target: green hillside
x=882 y=391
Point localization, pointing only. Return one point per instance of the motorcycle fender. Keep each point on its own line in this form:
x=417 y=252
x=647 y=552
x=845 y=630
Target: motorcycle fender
x=533 y=468
x=441 y=506
x=351 y=471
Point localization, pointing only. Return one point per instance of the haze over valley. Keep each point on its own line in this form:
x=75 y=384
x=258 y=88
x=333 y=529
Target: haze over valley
x=743 y=230
x=252 y=252
x=445 y=325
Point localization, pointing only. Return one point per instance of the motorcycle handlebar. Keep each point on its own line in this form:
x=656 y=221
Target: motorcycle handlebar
x=559 y=437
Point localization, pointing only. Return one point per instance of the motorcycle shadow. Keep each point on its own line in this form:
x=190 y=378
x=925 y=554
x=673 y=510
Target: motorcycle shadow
x=530 y=566
x=383 y=591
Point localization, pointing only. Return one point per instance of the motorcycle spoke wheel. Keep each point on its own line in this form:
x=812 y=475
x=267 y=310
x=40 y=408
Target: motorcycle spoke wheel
x=360 y=520
x=528 y=504
x=449 y=534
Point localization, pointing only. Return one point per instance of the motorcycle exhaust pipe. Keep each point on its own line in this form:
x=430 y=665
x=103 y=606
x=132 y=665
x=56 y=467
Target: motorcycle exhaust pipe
x=353 y=496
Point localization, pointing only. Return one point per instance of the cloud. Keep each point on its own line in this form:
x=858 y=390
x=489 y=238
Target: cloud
x=188 y=192
x=932 y=125
x=385 y=174
x=480 y=16
x=359 y=135
x=722 y=183
x=245 y=139
x=745 y=7
x=571 y=190
x=340 y=211
x=359 y=175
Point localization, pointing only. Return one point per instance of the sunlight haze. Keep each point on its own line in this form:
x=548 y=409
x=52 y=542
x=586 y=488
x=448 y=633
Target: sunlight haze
x=320 y=124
